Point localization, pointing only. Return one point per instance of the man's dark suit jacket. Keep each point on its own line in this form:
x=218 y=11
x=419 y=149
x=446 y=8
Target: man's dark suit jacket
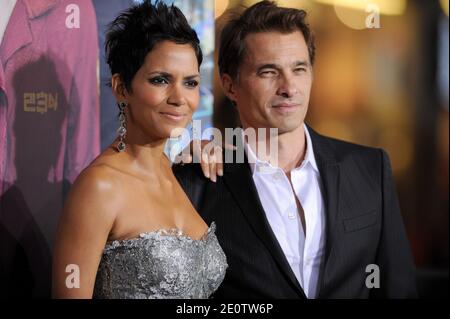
x=363 y=226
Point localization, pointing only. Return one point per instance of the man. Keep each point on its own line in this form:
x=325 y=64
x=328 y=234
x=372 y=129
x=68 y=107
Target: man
x=323 y=222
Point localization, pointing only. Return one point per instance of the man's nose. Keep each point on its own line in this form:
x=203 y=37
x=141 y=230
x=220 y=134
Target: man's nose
x=287 y=87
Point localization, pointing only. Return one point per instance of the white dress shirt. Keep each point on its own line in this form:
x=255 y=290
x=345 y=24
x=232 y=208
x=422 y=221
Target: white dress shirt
x=277 y=198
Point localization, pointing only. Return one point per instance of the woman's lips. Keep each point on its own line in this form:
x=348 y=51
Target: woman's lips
x=173 y=116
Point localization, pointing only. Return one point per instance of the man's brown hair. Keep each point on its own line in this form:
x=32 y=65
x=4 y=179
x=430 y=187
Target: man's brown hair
x=264 y=16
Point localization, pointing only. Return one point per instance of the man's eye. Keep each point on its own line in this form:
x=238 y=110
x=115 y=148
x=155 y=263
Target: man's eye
x=268 y=72
x=192 y=83
x=159 y=81
x=300 y=70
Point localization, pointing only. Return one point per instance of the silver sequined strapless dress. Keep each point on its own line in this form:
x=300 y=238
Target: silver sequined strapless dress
x=161 y=264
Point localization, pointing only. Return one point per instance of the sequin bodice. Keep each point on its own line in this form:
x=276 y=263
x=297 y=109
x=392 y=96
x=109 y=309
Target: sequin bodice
x=161 y=264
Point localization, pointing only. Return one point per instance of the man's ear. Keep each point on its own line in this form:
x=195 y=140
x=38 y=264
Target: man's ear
x=228 y=87
x=118 y=87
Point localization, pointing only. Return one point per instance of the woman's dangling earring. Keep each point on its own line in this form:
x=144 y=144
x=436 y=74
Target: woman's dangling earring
x=122 y=130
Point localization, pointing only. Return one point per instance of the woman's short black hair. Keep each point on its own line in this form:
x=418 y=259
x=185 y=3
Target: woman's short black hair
x=136 y=31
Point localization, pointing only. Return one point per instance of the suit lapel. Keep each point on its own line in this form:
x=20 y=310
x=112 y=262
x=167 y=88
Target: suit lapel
x=238 y=179
x=330 y=177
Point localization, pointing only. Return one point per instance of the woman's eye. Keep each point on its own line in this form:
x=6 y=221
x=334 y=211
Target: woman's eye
x=159 y=81
x=192 y=83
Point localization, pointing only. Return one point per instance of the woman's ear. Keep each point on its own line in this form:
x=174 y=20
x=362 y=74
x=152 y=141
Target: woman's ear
x=118 y=87
x=228 y=87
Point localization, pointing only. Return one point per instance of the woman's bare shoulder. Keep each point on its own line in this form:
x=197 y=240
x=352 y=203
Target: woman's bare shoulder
x=97 y=189
x=104 y=174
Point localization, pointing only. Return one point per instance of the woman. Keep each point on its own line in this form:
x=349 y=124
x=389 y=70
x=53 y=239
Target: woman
x=128 y=230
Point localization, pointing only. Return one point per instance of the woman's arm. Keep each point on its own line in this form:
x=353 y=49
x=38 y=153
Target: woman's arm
x=208 y=154
x=83 y=230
